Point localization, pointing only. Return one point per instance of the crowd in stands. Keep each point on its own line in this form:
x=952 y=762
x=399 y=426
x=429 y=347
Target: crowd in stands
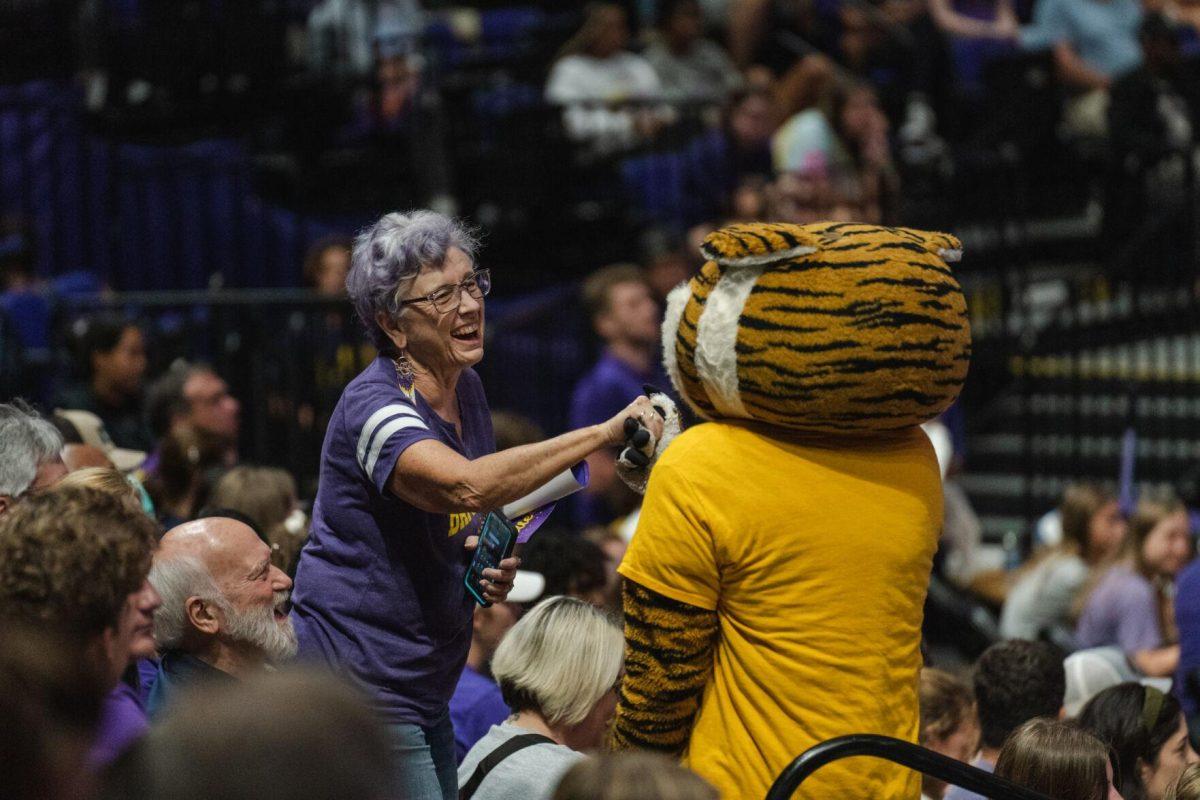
x=129 y=529
x=1096 y=624
x=854 y=94
x=767 y=109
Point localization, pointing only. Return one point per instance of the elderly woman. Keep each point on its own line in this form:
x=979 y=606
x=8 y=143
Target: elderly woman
x=558 y=669
x=408 y=471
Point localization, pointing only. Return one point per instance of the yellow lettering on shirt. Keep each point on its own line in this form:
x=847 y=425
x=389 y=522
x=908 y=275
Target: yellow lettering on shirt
x=459 y=521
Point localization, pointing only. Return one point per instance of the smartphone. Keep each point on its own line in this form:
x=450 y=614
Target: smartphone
x=497 y=538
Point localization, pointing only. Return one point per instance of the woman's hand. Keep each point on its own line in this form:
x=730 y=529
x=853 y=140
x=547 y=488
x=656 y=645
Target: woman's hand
x=496 y=583
x=1006 y=27
x=640 y=410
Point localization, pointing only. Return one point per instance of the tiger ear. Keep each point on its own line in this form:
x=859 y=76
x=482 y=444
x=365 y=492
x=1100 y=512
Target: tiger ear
x=758 y=244
x=943 y=245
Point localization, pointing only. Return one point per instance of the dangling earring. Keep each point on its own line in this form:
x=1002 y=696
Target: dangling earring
x=404 y=370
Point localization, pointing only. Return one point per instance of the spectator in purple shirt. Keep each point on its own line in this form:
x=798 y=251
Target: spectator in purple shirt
x=1131 y=607
x=408 y=471
x=625 y=316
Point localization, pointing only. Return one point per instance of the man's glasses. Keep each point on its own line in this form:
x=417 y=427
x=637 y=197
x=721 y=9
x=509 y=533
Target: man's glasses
x=448 y=298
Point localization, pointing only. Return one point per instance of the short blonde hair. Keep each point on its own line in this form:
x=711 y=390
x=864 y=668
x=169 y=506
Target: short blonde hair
x=104 y=479
x=559 y=660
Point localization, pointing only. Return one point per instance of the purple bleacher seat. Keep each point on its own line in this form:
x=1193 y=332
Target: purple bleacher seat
x=29 y=314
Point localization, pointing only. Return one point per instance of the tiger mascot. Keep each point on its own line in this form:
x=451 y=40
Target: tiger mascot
x=775 y=585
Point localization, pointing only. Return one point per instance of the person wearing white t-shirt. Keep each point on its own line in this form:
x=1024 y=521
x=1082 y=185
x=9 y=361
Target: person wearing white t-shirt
x=595 y=72
x=1045 y=600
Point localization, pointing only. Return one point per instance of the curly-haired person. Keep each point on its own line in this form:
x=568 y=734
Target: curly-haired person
x=75 y=561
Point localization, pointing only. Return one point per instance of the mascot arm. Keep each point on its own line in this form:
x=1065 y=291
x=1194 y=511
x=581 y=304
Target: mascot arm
x=668 y=660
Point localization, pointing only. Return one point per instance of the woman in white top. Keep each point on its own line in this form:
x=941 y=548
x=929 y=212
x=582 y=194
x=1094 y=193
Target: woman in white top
x=595 y=72
x=559 y=670
x=1044 y=598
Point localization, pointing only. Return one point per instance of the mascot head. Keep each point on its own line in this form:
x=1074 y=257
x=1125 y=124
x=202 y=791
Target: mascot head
x=830 y=328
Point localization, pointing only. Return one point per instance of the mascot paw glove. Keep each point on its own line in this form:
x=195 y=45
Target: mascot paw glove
x=641 y=449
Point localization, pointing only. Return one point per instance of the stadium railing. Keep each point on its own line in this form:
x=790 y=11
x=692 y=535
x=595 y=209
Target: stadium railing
x=899 y=752
x=287 y=354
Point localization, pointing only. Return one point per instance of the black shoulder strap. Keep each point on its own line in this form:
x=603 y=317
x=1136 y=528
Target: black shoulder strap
x=493 y=758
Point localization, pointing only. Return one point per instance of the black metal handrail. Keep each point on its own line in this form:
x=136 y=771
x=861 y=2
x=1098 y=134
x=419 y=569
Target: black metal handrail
x=906 y=754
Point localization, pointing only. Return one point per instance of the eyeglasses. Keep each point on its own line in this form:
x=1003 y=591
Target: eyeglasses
x=448 y=298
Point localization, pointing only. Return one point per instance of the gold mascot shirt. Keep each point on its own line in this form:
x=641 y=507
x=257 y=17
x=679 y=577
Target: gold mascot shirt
x=821 y=558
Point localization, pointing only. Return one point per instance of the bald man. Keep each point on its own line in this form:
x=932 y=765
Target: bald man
x=223 y=613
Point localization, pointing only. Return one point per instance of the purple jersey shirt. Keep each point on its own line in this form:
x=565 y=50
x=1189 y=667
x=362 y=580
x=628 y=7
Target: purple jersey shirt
x=379 y=586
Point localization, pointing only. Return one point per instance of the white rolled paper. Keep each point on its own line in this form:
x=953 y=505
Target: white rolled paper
x=561 y=485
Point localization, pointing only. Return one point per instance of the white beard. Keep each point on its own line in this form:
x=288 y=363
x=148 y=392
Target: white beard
x=258 y=627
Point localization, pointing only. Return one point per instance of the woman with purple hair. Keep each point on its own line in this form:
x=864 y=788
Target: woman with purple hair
x=408 y=471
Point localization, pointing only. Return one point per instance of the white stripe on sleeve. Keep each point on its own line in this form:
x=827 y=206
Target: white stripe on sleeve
x=374 y=421
x=385 y=433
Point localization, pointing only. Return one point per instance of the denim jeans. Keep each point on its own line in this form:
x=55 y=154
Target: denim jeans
x=424 y=763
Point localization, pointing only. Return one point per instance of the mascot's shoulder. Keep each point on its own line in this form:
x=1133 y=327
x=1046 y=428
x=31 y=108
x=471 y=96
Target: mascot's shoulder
x=707 y=439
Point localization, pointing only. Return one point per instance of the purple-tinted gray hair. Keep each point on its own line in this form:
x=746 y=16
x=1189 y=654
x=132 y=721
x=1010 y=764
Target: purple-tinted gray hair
x=393 y=251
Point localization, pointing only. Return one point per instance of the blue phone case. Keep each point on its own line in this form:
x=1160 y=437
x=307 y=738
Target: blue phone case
x=497 y=538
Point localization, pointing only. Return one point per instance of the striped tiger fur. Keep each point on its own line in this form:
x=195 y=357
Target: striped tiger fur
x=829 y=328
x=668 y=659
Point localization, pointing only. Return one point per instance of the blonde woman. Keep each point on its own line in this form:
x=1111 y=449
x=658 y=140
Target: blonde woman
x=559 y=669
x=112 y=481
x=1131 y=605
